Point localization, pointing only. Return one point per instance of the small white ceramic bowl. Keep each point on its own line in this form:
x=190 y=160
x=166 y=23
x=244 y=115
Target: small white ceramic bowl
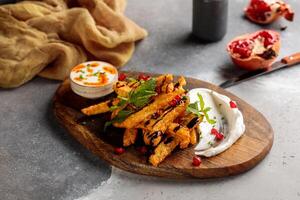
x=93 y=79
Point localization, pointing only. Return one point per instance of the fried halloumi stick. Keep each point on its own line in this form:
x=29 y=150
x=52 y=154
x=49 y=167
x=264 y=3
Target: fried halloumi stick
x=129 y=137
x=160 y=102
x=153 y=137
x=193 y=136
x=180 y=132
x=180 y=83
x=191 y=121
x=123 y=88
x=167 y=88
x=177 y=135
x=164 y=83
x=102 y=107
x=163 y=150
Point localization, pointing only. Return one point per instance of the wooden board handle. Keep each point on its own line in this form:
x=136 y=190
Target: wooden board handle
x=292 y=59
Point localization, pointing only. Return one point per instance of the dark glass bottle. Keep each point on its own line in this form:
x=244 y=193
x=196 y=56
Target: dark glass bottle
x=210 y=19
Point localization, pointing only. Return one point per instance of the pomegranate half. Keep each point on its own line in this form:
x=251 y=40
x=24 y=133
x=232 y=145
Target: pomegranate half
x=267 y=11
x=256 y=50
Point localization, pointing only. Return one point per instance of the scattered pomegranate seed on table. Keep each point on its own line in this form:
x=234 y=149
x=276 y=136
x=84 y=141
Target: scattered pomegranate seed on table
x=122 y=77
x=119 y=150
x=196 y=161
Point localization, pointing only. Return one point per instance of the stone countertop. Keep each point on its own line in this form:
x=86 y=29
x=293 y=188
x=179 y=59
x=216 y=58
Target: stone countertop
x=39 y=160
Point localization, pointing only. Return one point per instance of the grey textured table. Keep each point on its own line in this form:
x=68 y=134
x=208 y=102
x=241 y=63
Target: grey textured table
x=39 y=160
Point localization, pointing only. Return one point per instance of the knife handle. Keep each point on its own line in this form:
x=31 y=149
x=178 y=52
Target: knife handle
x=292 y=59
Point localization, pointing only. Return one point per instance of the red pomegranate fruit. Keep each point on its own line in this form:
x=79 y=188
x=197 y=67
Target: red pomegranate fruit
x=267 y=11
x=255 y=50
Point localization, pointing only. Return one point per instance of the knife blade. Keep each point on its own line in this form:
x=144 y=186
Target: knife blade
x=283 y=63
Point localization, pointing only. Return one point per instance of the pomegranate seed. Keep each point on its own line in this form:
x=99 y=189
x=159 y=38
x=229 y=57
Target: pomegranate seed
x=119 y=150
x=173 y=103
x=267 y=36
x=196 y=161
x=122 y=77
x=232 y=104
x=214 y=131
x=219 y=136
x=178 y=98
x=242 y=47
x=258 y=9
x=289 y=16
x=143 y=77
x=142 y=149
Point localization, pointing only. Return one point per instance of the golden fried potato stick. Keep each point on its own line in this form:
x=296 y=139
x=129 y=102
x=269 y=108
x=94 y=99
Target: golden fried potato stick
x=159 y=102
x=163 y=150
x=180 y=132
x=129 y=137
x=153 y=137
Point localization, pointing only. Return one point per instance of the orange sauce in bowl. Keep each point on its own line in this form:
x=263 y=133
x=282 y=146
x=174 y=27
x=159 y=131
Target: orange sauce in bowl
x=94 y=74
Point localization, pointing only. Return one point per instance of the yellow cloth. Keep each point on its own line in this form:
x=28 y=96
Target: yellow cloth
x=49 y=37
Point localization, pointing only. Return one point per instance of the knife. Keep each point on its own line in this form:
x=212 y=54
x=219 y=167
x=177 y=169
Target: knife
x=287 y=61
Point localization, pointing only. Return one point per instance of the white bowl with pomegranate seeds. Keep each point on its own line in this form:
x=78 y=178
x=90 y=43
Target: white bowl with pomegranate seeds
x=223 y=124
x=93 y=79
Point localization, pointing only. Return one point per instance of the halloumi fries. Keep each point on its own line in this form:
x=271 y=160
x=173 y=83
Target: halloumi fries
x=156 y=109
x=129 y=137
x=155 y=133
x=163 y=150
x=161 y=101
x=97 y=109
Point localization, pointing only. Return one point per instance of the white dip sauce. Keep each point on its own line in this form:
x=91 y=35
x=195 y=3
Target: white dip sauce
x=229 y=121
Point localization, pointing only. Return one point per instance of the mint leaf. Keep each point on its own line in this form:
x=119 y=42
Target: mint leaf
x=194 y=108
x=211 y=121
x=141 y=96
x=121 y=116
x=194 y=105
x=112 y=108
x=201 y=101
x=207 y=109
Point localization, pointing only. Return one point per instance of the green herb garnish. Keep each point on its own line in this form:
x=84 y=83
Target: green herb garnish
x=120 y=104
x=81 y=77
x=139 y=97
x=122 y=115
x=210 y=143
x=96 y=73
x=194 y=108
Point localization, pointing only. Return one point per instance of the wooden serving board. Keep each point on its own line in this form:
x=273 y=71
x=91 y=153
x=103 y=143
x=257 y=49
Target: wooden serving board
x=248 y=151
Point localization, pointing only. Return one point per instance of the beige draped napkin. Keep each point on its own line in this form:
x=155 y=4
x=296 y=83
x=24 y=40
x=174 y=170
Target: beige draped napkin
x=49 y=37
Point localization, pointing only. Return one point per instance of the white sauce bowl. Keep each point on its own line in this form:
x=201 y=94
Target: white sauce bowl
x=93 y=79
